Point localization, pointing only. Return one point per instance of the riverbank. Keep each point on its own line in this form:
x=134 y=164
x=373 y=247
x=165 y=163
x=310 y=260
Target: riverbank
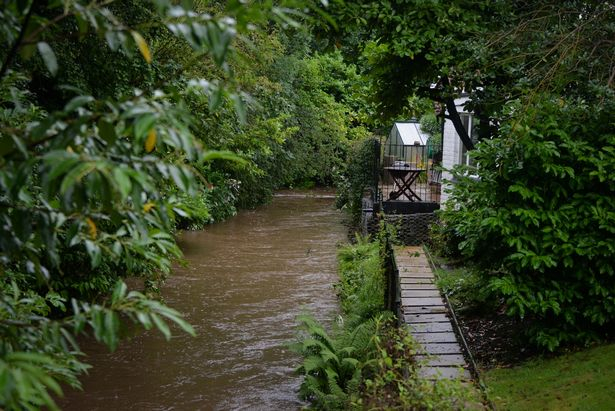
x=318 y=192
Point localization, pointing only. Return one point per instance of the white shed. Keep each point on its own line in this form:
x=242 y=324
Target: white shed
x=403 y=143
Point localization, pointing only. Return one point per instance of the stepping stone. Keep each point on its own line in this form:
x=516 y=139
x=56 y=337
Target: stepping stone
x=444 y=372
x=425 y=318
x=420 y=302
x=434 y=338
x=420 y=286
x=441 y=348
x=424 y=310
x=420 y=293
x=433 y=327
x=414 y=280
x=444 y=360
x=408 y=273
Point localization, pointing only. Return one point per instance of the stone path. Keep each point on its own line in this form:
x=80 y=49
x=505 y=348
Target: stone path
x=424 y=312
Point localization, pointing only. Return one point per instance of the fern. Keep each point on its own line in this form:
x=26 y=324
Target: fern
x=331 y=369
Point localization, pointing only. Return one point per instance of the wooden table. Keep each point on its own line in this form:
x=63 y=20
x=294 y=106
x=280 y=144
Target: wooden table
x=403 y=177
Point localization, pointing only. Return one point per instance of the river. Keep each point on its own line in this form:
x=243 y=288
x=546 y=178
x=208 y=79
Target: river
x=246 y=281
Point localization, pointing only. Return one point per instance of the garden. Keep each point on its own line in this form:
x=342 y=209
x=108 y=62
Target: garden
x=122 y=123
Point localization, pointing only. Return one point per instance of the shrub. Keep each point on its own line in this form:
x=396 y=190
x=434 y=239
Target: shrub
x=539 y=222
x=360 y=175
x=331 y=368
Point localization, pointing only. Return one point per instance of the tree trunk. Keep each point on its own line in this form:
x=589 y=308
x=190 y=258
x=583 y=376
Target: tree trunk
x=453 y=115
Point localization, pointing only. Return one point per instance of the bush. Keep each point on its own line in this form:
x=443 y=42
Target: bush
x=361 y=174
x=539 y=222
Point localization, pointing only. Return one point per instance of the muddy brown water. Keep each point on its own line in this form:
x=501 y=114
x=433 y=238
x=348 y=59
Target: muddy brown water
x=247 y=280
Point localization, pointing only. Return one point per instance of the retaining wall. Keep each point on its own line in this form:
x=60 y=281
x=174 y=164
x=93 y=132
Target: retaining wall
x=412 y=229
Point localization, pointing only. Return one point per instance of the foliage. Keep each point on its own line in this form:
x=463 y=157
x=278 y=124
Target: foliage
x=334 y=365
x=37 y=353
x=406 y=46
x=305 y=110
x=465 y=289
x=433 y=128
x=540 y=222
x=362 y=286
x=395 y=383
x=572 y=381
x=332 y=371
x=360 y=175
x=101 y=155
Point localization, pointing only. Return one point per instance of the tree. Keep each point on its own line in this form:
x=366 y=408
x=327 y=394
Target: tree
x=411 y=48
x=93 y=164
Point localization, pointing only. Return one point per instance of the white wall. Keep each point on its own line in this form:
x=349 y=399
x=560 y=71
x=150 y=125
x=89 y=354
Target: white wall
x=451 y=148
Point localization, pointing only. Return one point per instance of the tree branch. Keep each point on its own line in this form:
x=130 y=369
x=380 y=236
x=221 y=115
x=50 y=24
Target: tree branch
x=453 y=115
x=13 y=52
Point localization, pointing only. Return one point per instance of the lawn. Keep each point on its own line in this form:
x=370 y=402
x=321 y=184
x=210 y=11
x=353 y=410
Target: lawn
x=578 y=381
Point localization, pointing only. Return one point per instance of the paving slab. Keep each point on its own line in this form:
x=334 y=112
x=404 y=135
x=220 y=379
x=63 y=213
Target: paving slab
x=416 y=280
x=420 y=286
x=444 y=360
x=441 y=348
x=421 y=301
x=406 y=272
x=430 y=293
x=425 y=318
x=435 y=338
x=444 y=372
x=425 y=313
x=432 y=327
x=434 y=309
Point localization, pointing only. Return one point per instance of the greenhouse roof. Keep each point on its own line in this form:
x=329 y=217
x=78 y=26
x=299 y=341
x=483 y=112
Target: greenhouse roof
x=411 y=133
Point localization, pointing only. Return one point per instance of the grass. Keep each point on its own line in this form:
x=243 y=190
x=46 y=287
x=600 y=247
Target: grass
x=578 y=381
x=463 y=287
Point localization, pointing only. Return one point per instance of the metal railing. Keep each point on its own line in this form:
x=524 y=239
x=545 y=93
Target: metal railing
x=392 y=297
x=411 y=173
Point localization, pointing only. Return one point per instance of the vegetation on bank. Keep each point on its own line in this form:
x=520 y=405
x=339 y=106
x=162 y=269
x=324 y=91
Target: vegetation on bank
x=122 y=121
x=366 y=361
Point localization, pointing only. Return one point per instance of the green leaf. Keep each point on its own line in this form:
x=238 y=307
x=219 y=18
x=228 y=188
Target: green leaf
x=122 y=181
x=119 y=293
x=222 y=155
x=107 y=131
x=240 y=108
x=143 y=125
x=161 y=325
x=49 y=57
x=94 y=252
x=77 y=102
x=75 y=176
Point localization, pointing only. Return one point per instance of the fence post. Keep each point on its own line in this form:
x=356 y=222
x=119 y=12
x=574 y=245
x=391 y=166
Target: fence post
x=392 y=292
